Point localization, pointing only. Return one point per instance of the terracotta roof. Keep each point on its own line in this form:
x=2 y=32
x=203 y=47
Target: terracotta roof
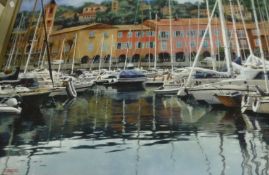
x=83 y=27
x=191 y=21
x=132 y=27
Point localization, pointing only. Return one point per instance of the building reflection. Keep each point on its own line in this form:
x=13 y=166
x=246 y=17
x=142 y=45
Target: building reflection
x=146 y=120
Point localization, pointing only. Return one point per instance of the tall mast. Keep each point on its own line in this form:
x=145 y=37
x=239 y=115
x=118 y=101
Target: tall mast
x=171 y=37
x=32 y=43
x=61 y=57
x=111 y=52
x=211 y=37
x=238 y=52
x=225 y=38
x=74 y=53
x=101 y=55
x=260 y=44
x=244 y=25
x=200 y=47
x=14 y=44
x=127 y=49
x=156 y=36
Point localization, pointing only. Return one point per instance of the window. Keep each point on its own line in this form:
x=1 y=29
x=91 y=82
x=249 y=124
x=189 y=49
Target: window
x=120 y=34
x=92 y=34
x=138 y=34
x=241 y=33
x=205 y=44
x=130 y=45
x=202 y=32
x=130 y=34
x=164 y=34
x=218 y=44
x=150 y=33
x=192 y=33
x=119 y=46
x=105 y=47
x=257 y=42
x=177 y=33
x=152 y=44
x=163 y=45
x=90 y=47
x=243 y=43
x=182 y=33
x=193 y=44
x=179 y=44
x=147 y=44
x=105 y=34
x=138 y=45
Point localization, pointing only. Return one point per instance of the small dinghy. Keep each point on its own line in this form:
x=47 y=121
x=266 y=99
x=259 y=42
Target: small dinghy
x=10 y=106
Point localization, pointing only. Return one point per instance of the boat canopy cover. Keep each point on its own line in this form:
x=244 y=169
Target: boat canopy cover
x=131 y=74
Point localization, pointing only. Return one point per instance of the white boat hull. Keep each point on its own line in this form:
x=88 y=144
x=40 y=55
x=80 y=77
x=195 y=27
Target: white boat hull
x=261 y=105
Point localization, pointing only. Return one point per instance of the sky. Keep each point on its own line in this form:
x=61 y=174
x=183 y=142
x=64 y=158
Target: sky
x=27 y=4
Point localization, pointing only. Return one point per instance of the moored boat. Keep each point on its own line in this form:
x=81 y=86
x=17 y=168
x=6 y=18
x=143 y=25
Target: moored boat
x=232 y=100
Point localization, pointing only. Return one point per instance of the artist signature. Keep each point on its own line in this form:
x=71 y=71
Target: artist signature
x=10 y=171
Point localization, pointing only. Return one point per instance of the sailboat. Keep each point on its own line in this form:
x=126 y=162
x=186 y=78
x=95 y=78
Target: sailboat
x=260 y=101
x=250 y=76
x=169 y=85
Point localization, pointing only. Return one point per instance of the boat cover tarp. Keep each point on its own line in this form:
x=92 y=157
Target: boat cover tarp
x=131 y=74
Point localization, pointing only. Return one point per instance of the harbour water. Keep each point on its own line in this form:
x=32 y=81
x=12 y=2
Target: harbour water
x=133 y=133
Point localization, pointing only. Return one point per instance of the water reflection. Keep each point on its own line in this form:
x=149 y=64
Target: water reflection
x=133 y=133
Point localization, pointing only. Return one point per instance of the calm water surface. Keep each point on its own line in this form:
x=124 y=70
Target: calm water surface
x=133 y=133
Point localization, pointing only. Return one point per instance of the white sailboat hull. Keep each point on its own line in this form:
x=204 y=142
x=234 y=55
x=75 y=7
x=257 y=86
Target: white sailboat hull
x=10 y=110
x=261 y=105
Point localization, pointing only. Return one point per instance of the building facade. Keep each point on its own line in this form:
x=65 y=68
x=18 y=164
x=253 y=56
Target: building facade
x=89 y=13
x=140 y=42
x=135 y=42
x=87 y=43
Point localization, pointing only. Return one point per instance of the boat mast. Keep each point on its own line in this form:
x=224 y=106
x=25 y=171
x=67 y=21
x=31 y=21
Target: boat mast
x=46 y=40
x=235 y=31
x=74 y=53
x=190 y=40
x=211 y=37
x=200 y=47
x=245 y=29
x=260 y=44
x=171 y=38
x=225 y=38
x=127 y=50
x=32 y=43
x=101 y=55
x=111 y=52
x=61 y=57
x=15 y=43
x=156 y=36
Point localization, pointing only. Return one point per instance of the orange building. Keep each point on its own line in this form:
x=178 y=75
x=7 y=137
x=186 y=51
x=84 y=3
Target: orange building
x=187 y=35
x=134 y=42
